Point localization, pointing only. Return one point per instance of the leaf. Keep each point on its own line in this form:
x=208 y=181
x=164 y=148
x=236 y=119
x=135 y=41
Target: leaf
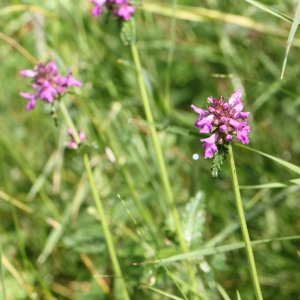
x=219 y=157
x=271 y=185
x=282 y=162
x=291 y=37
x=270 y=10
x=194 y=218
x=216 y=250
x=128 y=32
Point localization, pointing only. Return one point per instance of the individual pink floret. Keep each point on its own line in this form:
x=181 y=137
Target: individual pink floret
x=72 y=144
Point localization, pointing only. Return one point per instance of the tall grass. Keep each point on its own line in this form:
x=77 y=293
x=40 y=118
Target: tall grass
x=174 y=230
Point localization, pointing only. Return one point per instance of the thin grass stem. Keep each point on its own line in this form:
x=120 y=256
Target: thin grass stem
x=170 y=56
x=99 y=205
x=240 y=210
x=161 y=162
x=2 y=274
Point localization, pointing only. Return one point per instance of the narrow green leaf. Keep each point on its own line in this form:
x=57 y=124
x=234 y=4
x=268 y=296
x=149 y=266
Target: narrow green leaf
x=270 y=10
x=220 y=249
x=282 y=162
x=291 y=37
x=271 y=185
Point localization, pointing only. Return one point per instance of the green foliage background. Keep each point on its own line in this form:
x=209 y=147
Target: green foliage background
x=49 y=225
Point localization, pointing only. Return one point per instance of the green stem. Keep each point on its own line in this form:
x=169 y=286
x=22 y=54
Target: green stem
x=98 y=202
x=2 y=273
x=160 y=160
x=170 y=56
x=239 y=206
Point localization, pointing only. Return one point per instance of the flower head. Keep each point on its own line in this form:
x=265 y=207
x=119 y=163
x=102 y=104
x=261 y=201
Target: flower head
x=72 y=144
x=225 y=120
x=47 y=83
x=119 y=8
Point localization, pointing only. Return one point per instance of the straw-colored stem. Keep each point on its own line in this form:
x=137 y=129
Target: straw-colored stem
x=241 y=214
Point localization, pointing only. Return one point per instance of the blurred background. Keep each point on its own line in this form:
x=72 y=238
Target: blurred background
x=52 y=244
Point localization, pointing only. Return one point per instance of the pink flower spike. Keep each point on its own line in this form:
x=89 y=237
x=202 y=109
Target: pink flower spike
x=48 y=84
x=225 y=120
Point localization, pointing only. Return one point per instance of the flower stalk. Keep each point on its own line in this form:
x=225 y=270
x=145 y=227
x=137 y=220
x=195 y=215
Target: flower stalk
x=244 y=228
x=99 y=205
x=161 y=162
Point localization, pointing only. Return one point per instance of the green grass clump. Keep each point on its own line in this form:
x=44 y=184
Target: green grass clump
x=176 y=235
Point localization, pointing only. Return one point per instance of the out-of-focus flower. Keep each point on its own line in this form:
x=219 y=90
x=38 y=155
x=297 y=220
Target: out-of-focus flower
x=47 y=83
x=98 y=7
x=120 y=8
x=72 y=144
x=225 y=120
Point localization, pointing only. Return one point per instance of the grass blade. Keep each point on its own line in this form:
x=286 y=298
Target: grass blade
x=291 y=37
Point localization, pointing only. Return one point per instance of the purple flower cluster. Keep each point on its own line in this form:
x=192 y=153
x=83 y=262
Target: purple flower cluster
x=120 y=8
x=225 y=120
x=47 y=82
x=72 y=144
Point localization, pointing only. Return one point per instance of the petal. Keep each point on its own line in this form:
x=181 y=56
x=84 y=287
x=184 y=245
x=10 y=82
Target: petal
x=26 y=95
x=223 y=128
x=30 y=104
x=244 y=115
x=70 y=133
x=28 y=73
x=82 y=136
x=228 y=137
x=209 y=144
x=125 y=11
x=237 y=125
x=243 y=137
x=48 y=94
x=98 y=7
x=235 y=97
x=205 y=124
x=71 y=145
x=200 y=111
x=52 y=67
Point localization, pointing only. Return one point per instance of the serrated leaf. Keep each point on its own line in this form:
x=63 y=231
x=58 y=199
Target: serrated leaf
x=219 y=158
x=128 y=32
x=194 y=218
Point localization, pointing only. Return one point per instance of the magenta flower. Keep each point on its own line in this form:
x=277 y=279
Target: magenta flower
x=72 y=144
x=225 y=120
x=98 y=7
x=120 y=8
x=47 y=83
